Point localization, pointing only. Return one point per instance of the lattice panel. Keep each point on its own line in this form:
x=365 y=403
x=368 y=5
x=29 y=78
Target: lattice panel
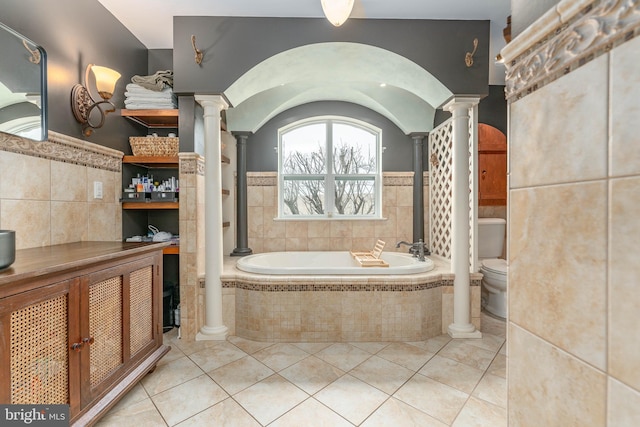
x=105 y=326
x=39 y=353
x=440 y=187
x=141 y=319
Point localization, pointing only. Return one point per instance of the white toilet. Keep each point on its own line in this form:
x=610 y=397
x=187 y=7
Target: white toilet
x=491 y=233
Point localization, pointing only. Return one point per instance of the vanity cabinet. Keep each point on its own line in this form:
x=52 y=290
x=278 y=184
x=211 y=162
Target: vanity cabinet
x=80 y=324
x=492 y=166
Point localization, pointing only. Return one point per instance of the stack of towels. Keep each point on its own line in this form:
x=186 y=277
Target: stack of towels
x=154 y=92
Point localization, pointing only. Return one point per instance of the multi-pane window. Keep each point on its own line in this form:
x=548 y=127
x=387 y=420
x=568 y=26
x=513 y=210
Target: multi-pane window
x=329 y=167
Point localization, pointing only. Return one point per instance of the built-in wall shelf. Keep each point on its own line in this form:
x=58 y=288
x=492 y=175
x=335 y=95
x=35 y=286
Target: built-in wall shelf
x=153 y=118
x=159 y=161
x=150 y=205
x=152 y=161
x=171 y=250
x=157 y=118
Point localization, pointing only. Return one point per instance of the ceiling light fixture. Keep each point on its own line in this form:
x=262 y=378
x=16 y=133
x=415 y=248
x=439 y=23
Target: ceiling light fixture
x=82 y=103
x=337 y=11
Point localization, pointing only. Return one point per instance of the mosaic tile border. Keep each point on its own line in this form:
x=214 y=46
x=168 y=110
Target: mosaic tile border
x=594 y=30
x=66 y=149
x=335 y=287
x=262 y=179
x=191 y=164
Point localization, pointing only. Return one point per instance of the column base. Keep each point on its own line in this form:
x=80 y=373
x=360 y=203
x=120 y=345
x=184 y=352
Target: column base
x=241 y=252
x=463 y=331
x=208 y=333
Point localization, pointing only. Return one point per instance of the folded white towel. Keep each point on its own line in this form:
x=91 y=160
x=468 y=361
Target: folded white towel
x=144 y=99
x=161 y=97
x=164 y=106
x=133 y=87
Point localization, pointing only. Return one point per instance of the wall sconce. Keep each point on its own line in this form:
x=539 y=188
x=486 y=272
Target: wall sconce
x=82 y=103
x=337 y=11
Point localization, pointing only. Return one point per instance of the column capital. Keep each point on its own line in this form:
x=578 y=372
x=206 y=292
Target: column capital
x=460 y=101
x=242 y=134
x=418 y=135
x=217 y=101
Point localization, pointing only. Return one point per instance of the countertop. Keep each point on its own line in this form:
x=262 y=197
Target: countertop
x=36 y=262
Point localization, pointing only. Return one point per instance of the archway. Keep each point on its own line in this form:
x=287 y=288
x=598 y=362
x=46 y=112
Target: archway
x=375 y=78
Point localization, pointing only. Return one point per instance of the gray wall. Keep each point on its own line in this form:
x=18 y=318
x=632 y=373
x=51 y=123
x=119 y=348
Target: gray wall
x=159 y=60
x=233 y=45
x=75 y=33
x=492 y=110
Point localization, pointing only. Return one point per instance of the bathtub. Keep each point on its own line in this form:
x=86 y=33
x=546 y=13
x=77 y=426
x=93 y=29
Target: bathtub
x=336 y=263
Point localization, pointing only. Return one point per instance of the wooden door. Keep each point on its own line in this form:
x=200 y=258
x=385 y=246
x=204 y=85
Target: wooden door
x=492 y=166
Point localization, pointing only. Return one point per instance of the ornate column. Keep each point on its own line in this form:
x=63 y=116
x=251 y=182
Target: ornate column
x=418 y=187
x=213 y=328
x=461 y=326
x=242 y=237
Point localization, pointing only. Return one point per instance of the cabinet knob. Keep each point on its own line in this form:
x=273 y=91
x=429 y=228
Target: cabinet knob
x=88 y=340
x=484 y=174
x=77 y=346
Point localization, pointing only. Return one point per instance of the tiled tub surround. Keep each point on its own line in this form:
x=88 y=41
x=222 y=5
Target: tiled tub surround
x=325 y=308
x=268 y=234
x=573 y=86
x=191 y=226
x=46 y=190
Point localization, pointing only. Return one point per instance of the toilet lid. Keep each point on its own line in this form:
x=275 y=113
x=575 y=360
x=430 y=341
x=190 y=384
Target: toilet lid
x=495 y=265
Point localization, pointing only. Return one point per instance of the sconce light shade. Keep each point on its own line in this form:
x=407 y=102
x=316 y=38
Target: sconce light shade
x=106 y=80
x=82 y=103
x=337 y=11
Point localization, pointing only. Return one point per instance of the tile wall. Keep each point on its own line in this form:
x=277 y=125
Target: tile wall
x=267 y=234
x=191 y=176
x=573 y=336
x=46 y=190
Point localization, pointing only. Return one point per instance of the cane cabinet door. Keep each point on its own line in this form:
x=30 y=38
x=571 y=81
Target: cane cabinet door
x=39 y=337
x=120 y=317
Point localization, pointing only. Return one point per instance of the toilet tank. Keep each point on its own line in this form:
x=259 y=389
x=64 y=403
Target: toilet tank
x=491 y=232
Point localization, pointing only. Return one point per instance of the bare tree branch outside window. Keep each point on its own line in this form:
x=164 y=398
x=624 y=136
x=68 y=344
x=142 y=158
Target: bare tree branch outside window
x=352 y=173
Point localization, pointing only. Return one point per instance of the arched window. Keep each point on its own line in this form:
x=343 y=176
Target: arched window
x=329 y=167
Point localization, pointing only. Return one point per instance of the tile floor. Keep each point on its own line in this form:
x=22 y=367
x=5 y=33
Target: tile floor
x=438 y=382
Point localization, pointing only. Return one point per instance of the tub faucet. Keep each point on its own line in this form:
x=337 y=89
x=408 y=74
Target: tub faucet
x=416 y=249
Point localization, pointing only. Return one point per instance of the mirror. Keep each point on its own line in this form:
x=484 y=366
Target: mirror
x=23 y=86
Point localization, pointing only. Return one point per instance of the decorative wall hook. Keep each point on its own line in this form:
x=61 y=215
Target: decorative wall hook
x=434 y=160
x=198 y=52
x=35 y=53
x=468 y=58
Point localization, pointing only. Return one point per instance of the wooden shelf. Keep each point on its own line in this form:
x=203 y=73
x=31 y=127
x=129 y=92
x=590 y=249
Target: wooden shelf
x=150 y=205
x=159 y=161
x=157 y=118
x=153 y=118
x=152 y=161
x=171 y=250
